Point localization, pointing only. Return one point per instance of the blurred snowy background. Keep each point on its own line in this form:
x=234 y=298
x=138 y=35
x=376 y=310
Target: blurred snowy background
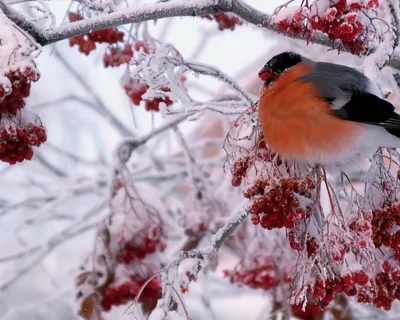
x=86 y=112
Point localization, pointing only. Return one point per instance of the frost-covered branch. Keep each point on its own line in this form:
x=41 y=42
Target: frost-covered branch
x=127 y=146
x=81 y=226
x=217 y=241
x=159 y=11
x=214 y=72
x=203 y=257
x=99 y=106
x=131 y=15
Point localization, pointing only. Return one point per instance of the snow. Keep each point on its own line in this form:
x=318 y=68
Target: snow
x=319 y=7
x=15 y=50
x=283 y=13
x=374 y=62
x=239 y=304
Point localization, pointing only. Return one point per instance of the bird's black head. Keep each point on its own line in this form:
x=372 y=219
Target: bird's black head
x=277 y=65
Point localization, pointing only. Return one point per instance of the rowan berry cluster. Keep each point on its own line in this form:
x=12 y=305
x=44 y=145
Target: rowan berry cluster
x=324 y=291
x=384 y=288
x=141 y=245
x=117 y=55
x=115 y=295
x=341 y=21
x=275 y=202
x=129 y=252
x=87 y=43
x=278 y=206
x=297 y=243
x=383 y=220
x=381 y=289
x=262 y=273
x=311 y=311
x=225 y=21
x=135 y=89
x=18 y=131
x=17 y=139
x=242 y=164
x=12 y=99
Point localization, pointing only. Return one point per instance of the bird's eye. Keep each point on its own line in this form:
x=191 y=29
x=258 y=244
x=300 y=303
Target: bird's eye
x=266 y=74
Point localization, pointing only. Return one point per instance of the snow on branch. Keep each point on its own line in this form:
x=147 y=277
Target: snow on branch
x=211 y=71
x=160 y=74
x=121 y=17
x=128 y=145
x=203 y=256
x=177 y=8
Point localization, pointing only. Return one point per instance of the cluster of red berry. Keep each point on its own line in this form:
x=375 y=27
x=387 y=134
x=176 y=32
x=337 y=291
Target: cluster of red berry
x=363 y=229
x=323 y=292
x=135 y=89
x=225 y=21
x=384 y=289
x=17 y=136
x=116 y=55
x=340 y=22
x=141 y=245
x=241 y=166
x=382 y=222
x=297 y=243
x=337 y=250
x=87 y=43
x=115 y=295
x=311 y=311
x=381 y=290
x=274 y=203
x=262 y=273
x=278 y=206
x=131 y=257
x=16 y=140
x=20 y=89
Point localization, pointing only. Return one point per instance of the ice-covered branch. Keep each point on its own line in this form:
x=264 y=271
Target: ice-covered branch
x=128 y=145
x=382 y=55
x=83 y=225
x=217 y=241
x=121 y=17
x=211 y=71
x=99 y=106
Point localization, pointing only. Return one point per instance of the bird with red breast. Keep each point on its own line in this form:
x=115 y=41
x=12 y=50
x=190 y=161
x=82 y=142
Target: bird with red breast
x=321 y=113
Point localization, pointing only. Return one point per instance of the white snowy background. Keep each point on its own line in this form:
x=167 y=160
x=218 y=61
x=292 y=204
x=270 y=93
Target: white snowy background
x=46 y=291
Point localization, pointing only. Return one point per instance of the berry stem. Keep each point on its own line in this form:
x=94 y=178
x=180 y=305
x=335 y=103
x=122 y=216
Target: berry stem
x=327 y=189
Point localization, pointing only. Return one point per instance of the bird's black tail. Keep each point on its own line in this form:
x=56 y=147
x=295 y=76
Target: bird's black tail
x=392 y=124
x=364 y=107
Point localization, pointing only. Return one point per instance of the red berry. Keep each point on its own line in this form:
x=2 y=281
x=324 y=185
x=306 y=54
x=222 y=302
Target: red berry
x=361 y=278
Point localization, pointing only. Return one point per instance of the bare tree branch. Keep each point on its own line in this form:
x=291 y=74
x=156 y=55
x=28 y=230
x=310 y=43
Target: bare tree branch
x=128 y=145
x=217 y=241
x=99 y=105
x=214 y=72
x=45 y=249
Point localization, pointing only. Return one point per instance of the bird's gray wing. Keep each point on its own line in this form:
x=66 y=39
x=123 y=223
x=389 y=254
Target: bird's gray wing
x=353 y=96
x=337 y=83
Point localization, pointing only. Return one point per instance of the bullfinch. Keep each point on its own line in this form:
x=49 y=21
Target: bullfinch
x=323 y=113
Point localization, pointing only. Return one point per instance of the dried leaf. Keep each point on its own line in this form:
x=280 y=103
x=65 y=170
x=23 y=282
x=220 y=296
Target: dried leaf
x=90 y=308
x=81 y=279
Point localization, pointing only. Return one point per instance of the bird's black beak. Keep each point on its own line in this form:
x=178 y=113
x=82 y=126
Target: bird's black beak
x=266 y=74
